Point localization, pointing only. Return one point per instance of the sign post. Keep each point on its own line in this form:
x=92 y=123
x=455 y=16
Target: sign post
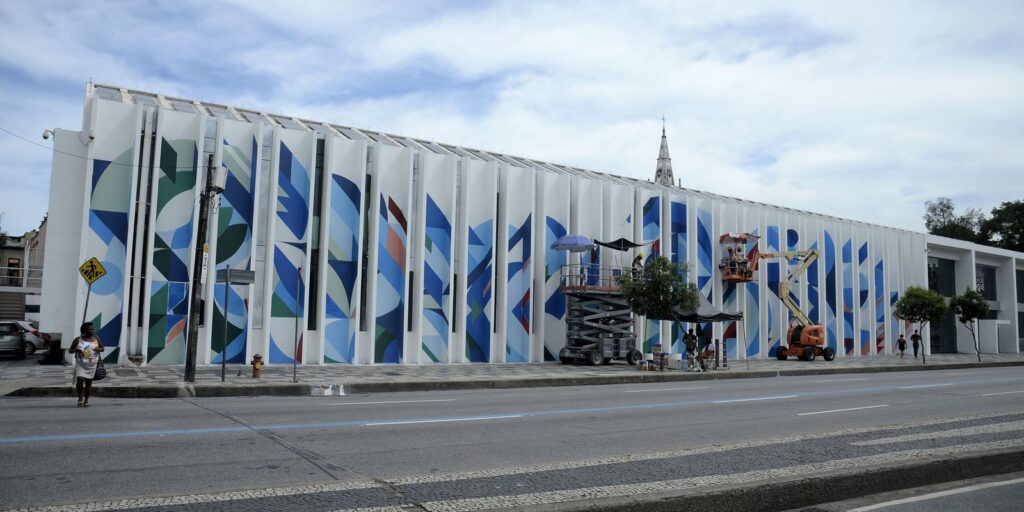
x=230 y=276
x=91 y=271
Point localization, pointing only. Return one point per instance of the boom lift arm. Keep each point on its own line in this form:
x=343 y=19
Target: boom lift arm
x=805 y=257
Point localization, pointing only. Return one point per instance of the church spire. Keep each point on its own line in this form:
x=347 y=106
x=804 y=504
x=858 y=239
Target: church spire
x=663 y=173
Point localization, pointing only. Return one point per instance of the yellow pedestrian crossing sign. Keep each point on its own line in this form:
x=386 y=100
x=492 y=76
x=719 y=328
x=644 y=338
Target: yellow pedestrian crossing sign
x=92 y=270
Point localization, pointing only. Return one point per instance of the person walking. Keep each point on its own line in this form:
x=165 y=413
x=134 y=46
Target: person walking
x=915 y=340
x=901 y=345
x=86 y=348
x=690 y=342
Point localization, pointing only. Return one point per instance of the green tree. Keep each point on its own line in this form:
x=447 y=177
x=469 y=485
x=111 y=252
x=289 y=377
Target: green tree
x=920 y=306
x=968 y=308
x=659 y=290
x=1005 y=228
x=940 y=218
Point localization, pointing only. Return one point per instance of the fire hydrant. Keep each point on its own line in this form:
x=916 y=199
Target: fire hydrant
x=257 y=365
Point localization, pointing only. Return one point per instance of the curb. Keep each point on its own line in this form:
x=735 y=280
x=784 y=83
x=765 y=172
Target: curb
x=183 y=390
x=807 y=492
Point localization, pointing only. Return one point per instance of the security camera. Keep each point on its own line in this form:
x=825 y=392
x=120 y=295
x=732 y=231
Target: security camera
x=92 y=135
x=46 y=134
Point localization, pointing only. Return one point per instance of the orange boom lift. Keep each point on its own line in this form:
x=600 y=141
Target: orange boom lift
x=806 y=340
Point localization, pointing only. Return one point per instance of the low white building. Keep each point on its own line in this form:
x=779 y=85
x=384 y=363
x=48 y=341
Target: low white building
x=376 y=248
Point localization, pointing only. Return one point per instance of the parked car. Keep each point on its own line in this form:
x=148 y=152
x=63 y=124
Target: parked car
x=12 y=339
x=34 y=339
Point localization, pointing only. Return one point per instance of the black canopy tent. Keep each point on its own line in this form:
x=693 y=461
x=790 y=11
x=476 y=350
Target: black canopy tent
x=622 y=244
x=706 y=312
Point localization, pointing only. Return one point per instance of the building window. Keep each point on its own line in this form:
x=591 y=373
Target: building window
x=942 y=276
x=985 y=281
x=1020 y=286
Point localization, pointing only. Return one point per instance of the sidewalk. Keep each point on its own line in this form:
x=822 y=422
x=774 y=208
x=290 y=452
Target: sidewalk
x=26 y=378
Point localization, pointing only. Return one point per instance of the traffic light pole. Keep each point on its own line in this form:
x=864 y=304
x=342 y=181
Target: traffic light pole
x=195 y=292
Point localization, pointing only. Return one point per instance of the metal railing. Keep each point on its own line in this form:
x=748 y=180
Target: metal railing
x=21 y=277
x=593 y=278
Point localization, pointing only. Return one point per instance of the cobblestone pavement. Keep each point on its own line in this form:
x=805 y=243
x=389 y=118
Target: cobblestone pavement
x=15 y=374
x=614 y=477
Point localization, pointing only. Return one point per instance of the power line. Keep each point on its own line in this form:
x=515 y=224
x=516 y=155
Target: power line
x=55 y=150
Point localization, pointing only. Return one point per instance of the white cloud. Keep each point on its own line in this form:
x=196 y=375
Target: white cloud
x=856 y=110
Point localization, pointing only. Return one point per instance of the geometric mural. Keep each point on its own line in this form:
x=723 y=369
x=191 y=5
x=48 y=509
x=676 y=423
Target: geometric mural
x=392 y=246
x=518 y=182
x=439 y=195
x=234 y=223
x=344 y=221
x=107 y=237
x=290 y=228
x=556 y=222
x=173 y=203
x=679 y=256
x=480 y=190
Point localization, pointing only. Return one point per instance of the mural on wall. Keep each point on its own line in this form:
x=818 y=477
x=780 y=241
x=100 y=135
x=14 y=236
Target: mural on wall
x=291 y=242
x=235 y=225
x=793 y=244
x=518 y=301
x=879 y=303
x=437 y=257
x=173 y=198
x=705 y=261
x=773 y=306
x=813 y=308
x=110 y=203
x=392 y=245
x=343 y=247
x=848 y=304
x=556 y=206
x=480 y=191
x=864 y=269
x=831 y=311
x=894 y=285
x=651 y=230
x=678 y=248
x=752 y=302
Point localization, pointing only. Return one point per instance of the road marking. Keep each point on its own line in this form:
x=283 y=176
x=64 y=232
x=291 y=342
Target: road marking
x=842 y=410
x=841 y=380
x=391 y=402
x=940 y=494
x=1003 y=393
x=993 y=428
x=927 y=386
x=753 y=399
x=663 y=389
x=440 y=420
x=958 y=373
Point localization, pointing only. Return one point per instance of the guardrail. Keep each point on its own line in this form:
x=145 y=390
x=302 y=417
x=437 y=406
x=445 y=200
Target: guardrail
x=21 y=277
x=593 y=278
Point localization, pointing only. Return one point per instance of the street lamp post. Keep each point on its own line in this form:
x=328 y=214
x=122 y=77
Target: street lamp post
x=216 y=178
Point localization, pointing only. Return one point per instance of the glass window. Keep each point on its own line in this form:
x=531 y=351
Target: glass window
x=942 y=276
x=1020 y=286
x=985 y=281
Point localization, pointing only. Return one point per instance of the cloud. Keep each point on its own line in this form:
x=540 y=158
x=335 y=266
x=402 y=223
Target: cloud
x=862 y=111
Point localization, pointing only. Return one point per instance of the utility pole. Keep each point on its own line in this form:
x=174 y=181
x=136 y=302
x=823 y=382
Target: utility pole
x=215 y=179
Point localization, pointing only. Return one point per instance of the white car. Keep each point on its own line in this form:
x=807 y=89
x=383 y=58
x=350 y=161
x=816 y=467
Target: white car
x=34 y=340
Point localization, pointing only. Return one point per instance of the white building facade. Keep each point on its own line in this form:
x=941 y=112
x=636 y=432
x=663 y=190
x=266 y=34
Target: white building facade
x=372 y=248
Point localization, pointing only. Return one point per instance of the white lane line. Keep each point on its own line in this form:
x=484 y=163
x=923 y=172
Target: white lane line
x=970 y=488
x=843 y=410
x=392 y=402
x=1003 y=393
x=927 y=386
x=992 y=428
x=442 y=420
x=958 y=373
x=841 y=380
x=664 y=389
x=754 y=399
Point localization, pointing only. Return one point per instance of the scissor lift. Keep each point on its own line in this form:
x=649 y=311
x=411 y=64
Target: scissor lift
x=599 y=323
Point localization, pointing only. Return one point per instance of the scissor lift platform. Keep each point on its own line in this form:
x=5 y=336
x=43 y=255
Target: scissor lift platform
x=599 y=323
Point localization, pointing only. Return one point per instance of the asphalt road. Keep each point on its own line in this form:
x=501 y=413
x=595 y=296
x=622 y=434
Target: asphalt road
x=364 y=448
x=1002 y=493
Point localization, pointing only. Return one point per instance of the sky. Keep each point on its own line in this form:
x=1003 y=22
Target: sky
x=860 y=110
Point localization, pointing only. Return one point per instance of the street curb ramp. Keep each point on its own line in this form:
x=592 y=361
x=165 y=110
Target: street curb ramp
x=799 y=493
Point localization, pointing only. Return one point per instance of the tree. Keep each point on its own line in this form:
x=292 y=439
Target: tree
x=659 y=290
x=940 y=218
x=922 y=307
x=968 y=308
x=1006 y=226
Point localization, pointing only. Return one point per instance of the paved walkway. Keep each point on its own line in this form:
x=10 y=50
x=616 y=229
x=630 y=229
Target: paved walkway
x=28 y=378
